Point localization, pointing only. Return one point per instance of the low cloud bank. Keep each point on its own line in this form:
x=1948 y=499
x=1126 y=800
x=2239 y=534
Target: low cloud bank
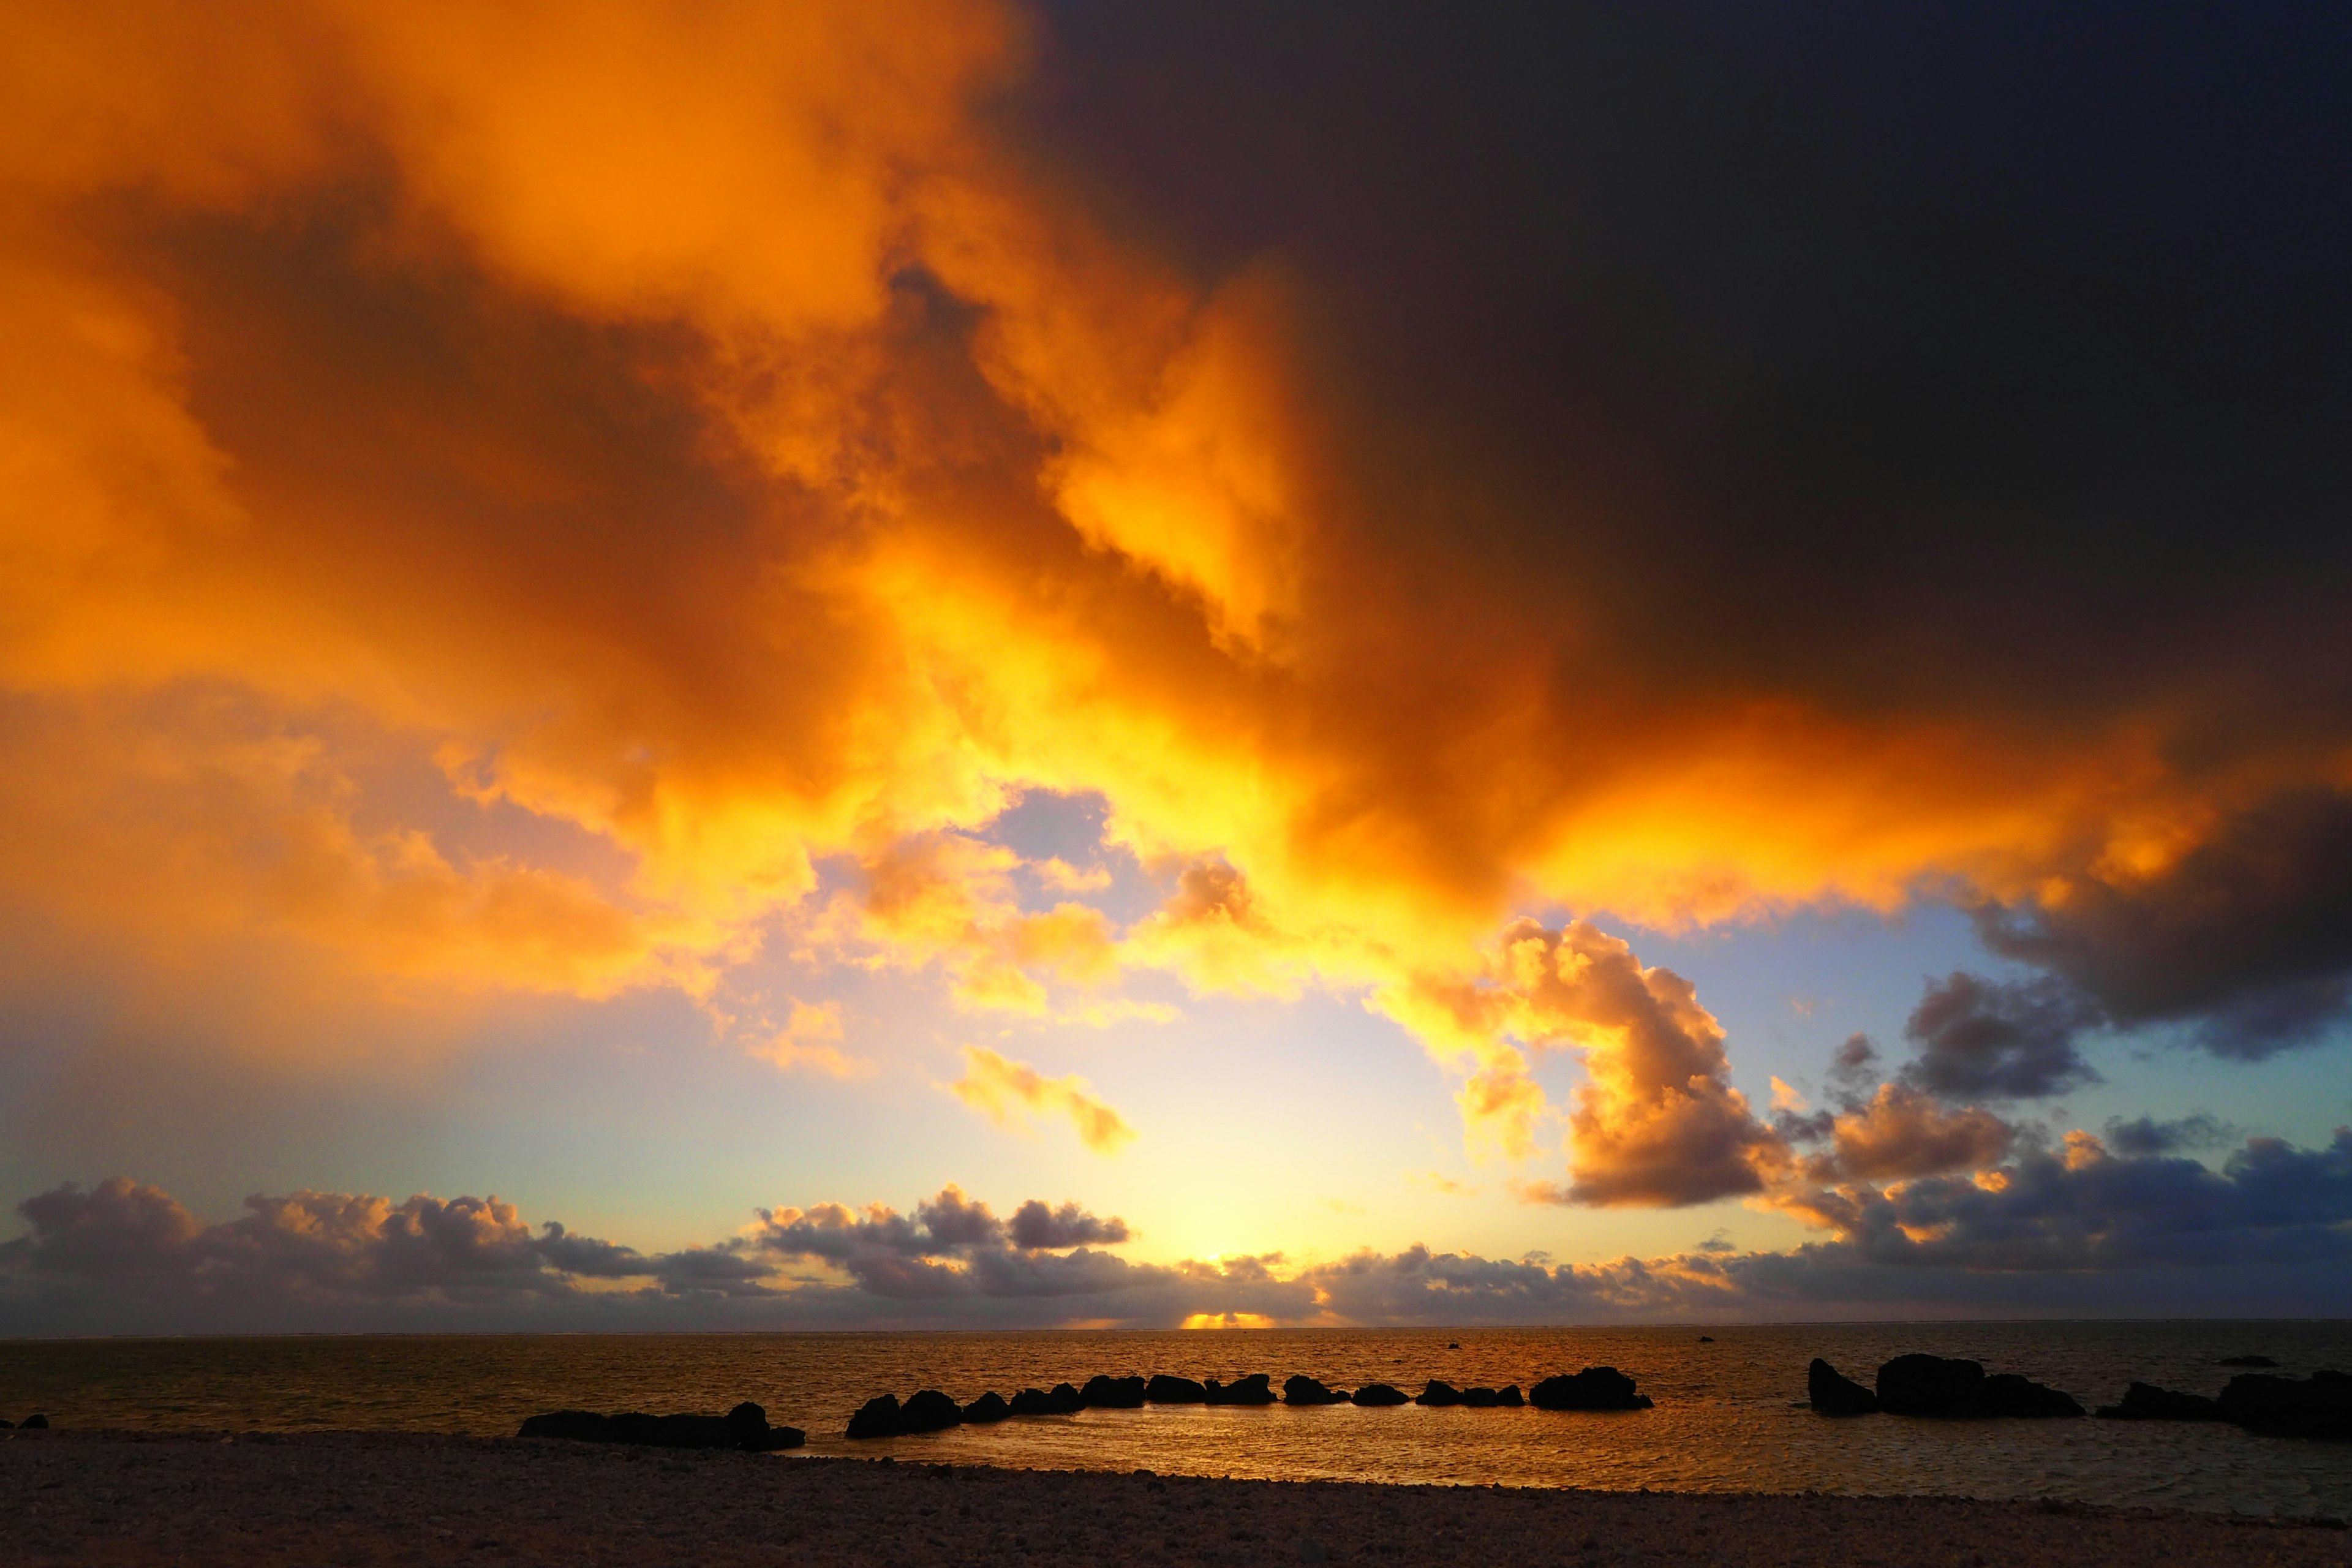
x=2064 y=1228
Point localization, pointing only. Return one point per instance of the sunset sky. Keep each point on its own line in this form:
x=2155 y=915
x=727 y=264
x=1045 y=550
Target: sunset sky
x=951 y=662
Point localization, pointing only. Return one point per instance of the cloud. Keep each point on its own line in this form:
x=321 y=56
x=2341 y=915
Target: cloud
x=809 y=1041
x=1979 y=1038
x=2146 y=1135
x=1035 y=1228
x=999 y=1086
x=1903 y=1132
x=1658 y=1124
x=2244 y=928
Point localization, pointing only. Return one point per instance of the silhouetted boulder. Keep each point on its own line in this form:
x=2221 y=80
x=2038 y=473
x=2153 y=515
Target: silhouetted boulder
x=1113 y=1393
x=1255 y=1389
x=877 y=1417
x=1833 y=1394
x=2008 y=1393
x=1310 y=1390
x=1063 y=1400
x=2246 y=1360
x=1931 y=1385
x=6 y=1424
x=1439 y=1393
x=1165 y=1390
x=745 y=1426
x=2317 y=1406
x=1379 y=1393
x=35 y=1424
x=1481 y=1398
x=1707 y=1339
x=1509 y=1397
x=1595 y=1388
x=2146 y=1401
x=929 y=1411
x=988 y=1409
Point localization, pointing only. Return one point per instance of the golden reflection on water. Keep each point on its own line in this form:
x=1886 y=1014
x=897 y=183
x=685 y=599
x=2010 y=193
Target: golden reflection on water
x=1726 y=1419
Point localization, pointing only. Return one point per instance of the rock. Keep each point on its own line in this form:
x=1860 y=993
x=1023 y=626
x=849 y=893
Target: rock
x=1113 y=1393
x=2008 y=1394
x=1165 y=1390
x=35 y=1424
x=1595 y=1388
x=1255 y=1389
x=1960 y=1390
x=987 y=1410
x=1707 y=1339
x=929 y=1411
x=2317 y=1406
x=745 y=1426
x=6 y=1424
x=2245 y=1361
x=1509 y=1397
x=1832 y=1392
x=1481 y=1398
x=1034 y=1402
x=1377 y=1394
x=1930 y=1385
x=1439 y=1393
x=2146 y=1401
x=1310 y=1390
x=877 y=1417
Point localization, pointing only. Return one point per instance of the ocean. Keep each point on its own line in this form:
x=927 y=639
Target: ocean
x=1729 y=1415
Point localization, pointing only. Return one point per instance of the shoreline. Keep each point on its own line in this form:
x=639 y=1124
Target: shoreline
x=356 y=1499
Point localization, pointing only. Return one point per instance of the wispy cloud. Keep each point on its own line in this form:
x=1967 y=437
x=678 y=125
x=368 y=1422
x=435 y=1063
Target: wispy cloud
x=1001 y=1087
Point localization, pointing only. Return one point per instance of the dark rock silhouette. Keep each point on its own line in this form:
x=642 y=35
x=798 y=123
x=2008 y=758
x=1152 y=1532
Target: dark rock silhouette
x=2246 y=1360
x=1377 y=1394
x=1063 y=1401
x=2146 y=1401
x=929 y=1411
x=35 y=1424
x=1832 y=1392
x=1707 y=1339
x=1113 y=1393
x=1595 y=1388
x=2317 y=1406
x=2008 y=1393
x=1439 y=1393
x=1255 y=1389
x=877 y=1417
x=987 y=1410
x=6 y=1424
x=1960 y=1390
x=1165 y=1390
x=1310 y=1390
x=745 y=1426
x=1509 y=1397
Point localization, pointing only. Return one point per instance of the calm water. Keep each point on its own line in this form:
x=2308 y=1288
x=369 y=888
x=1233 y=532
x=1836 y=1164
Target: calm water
x=1724 y=1420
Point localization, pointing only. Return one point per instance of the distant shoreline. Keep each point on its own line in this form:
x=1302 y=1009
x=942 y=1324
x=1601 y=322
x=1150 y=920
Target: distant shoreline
x=107 y=1498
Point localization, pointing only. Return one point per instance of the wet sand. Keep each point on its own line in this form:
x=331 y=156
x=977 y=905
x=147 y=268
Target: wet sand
x=354 y=1498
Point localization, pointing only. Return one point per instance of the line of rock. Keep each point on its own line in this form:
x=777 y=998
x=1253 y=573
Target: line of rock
x=745 y=1427
x=1595 y=1388
x=2316 y=1406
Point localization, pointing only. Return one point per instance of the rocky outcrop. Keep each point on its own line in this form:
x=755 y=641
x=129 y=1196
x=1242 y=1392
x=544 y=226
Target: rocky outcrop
x=1960 y=1390
x=986 y=1411
x=1311 y=1391
x=35 y=1424
x=1439 y=1393
x=1113 y=1393
x=1491 y=1398
x=1255 y=1389
x=877 y=1417
x=1379 y=1393
x=744 y=1428
x=2146 y=1401
x=2246 y=1360
x=2317 y=1406
x=1595 y=1388
x=1832 y=1392
x=1063 y=1400
x=1165 y=1390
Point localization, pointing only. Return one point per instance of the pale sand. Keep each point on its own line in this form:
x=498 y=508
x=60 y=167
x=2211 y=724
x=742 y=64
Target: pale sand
x=101 y=1499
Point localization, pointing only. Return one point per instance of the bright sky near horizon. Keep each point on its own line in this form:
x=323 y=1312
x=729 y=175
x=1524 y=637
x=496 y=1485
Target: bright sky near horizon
x=954 y=662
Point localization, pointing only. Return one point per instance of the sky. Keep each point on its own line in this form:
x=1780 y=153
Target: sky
x=964 y=663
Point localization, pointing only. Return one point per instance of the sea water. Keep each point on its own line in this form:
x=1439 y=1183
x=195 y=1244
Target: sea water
x=1728 y=1416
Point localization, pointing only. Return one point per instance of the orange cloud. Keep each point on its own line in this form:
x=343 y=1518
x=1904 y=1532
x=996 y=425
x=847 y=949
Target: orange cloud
x=811 y=1041
x=999 y=1086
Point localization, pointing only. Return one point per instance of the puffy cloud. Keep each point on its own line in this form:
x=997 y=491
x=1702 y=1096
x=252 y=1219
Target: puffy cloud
x=810 y=1040
x=1036 y=1228
x=1000 y=1087
x=1903 y=1132
x=1979 y=1038
x=2244 y=927
x=1658 y=1123
x=2146 y=1135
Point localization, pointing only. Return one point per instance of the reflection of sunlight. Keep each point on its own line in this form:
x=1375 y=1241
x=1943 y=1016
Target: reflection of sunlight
x=1228 y=1320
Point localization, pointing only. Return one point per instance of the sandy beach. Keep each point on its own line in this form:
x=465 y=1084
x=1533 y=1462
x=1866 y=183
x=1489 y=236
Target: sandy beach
x=96 y=1497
